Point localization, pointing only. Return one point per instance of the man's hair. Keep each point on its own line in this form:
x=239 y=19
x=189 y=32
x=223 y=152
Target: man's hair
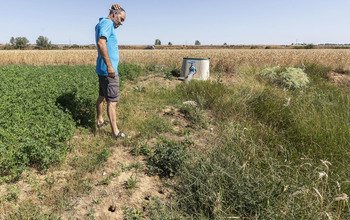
x=120 y=10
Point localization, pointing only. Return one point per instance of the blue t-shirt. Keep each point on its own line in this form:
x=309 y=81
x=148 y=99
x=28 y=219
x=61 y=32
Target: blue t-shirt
x=105 y=28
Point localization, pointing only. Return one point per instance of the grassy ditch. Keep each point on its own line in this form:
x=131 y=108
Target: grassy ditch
x=285 y=155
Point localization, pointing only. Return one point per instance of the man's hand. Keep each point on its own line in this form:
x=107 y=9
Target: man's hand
x=115 y=7
x=111 y=71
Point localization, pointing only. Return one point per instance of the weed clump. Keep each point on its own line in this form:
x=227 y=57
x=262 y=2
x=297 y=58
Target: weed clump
x=206 y=94
x=316 y=70
x=193 y=114
x=129 y=71
x=167 y=158
x=132 y=213
x=288 y=77
x=131 y=182
x=141 y=149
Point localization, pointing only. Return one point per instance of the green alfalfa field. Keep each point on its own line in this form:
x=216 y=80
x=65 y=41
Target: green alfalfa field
x=258 y=142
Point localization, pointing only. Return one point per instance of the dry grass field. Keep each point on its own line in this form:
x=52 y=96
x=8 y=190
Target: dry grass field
x=222 y=59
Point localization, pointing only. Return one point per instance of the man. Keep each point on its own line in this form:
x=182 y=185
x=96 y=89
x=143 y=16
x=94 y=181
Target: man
x=107 y=67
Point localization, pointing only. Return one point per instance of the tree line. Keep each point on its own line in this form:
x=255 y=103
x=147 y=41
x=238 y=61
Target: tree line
x=21 y=43
x=43 y=43
x=197 y=43
x=158 y=42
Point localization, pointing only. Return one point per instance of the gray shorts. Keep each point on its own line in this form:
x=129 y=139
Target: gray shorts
x=109 y=88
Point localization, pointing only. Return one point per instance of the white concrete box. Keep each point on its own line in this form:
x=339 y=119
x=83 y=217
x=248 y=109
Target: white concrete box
x=201 y=65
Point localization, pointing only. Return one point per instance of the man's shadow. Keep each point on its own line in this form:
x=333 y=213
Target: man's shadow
x=83 y=110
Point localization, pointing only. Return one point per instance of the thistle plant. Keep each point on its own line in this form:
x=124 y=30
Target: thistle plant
x=288 y=77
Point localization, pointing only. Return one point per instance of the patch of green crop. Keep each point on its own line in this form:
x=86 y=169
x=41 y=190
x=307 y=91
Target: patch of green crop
x=36 y=114
x=40 y=108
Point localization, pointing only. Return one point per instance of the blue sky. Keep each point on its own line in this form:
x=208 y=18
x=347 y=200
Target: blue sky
x=181 y=21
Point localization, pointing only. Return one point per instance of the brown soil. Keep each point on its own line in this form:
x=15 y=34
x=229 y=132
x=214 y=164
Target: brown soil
x=114 y=196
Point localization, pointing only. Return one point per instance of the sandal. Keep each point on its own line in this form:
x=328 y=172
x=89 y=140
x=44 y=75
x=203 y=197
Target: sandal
x=120 y=135
x=104 y=123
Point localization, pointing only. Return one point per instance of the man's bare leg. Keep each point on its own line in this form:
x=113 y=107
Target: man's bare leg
x=111 y=111
x=99 y=107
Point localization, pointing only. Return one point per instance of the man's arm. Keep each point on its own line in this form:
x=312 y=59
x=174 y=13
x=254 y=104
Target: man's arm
x=102 y=47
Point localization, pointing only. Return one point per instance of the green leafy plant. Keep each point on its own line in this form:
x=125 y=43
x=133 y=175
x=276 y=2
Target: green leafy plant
x=141 y=149
x=12 y=193
x=104 y=155
x=116 y=173
x=132 y=214
x=167 y=158
x=106 y=181
x=131 y=183
x=129 y=71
